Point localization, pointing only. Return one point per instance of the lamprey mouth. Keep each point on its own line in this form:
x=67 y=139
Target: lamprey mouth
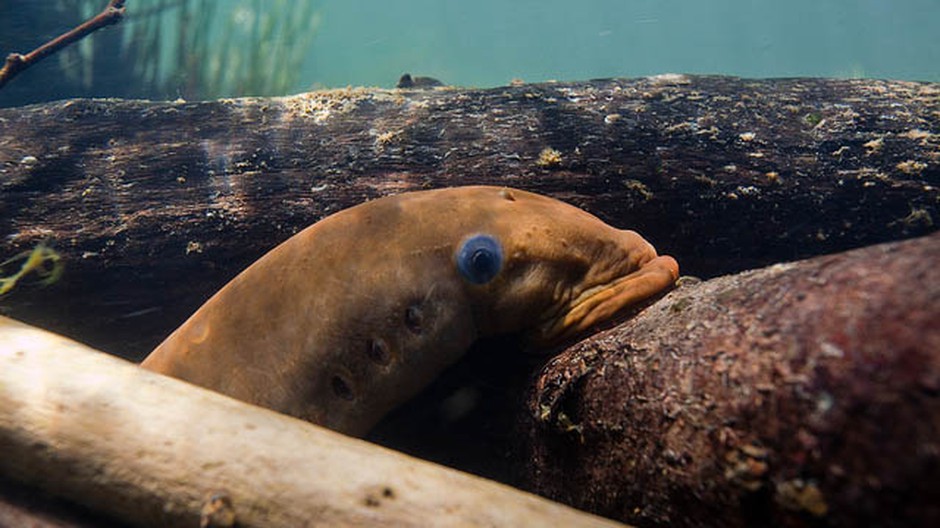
x=600 y=303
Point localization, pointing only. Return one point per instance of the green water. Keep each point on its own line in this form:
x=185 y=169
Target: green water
x=490 y=42
x=199 y=49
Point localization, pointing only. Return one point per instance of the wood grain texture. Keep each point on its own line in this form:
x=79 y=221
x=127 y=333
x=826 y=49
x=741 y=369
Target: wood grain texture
x=155 y=205
x=149 y=450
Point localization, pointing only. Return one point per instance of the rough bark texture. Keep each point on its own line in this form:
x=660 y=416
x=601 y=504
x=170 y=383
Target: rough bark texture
x=150 y=450
x=155 y=205
x=802 y=394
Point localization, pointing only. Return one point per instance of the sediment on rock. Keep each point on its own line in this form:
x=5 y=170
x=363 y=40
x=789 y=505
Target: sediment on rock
x=800 y=394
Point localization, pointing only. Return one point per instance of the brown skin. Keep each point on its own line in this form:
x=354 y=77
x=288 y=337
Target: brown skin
x=357 y=313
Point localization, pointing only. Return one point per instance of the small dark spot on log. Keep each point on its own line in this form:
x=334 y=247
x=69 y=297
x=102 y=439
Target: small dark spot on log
x=374 y=500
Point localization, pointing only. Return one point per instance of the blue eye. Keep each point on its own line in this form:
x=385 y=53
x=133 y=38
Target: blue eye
x=479 y=259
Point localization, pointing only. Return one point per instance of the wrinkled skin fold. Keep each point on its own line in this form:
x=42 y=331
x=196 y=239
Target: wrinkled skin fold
x=358 y=312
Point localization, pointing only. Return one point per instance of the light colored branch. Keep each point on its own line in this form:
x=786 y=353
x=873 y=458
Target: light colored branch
x=154 y=451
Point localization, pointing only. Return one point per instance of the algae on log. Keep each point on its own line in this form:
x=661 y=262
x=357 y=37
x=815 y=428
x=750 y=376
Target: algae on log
x=802 y=394
x=155 y=205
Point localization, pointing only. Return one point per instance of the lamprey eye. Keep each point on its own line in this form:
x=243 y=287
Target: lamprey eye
x=480 y=258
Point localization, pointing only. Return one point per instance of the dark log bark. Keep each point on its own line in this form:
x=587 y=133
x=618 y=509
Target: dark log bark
x=155 y=205
x=803 y=394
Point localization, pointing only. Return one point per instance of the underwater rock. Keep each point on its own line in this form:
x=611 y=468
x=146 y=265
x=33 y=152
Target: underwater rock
x=407 y=81
x=801 y=394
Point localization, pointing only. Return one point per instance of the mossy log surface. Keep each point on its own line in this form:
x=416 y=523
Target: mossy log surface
x=155 y=205
x=801 y=394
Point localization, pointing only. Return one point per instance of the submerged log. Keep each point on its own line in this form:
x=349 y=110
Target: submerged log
x=803 y=394
x=153 y=451
x=155 y=205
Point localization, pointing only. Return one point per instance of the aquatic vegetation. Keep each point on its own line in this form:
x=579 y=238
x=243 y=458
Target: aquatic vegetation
x=813 y=119
x=41 y=260
x=197 y=49
x=549 y=157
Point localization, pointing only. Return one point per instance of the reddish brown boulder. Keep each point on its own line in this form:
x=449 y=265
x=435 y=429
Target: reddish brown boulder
x=802 y=394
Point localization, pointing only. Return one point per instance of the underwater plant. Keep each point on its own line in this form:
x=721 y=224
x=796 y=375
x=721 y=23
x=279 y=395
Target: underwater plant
x=207 y=49
x=42 y=259
x=195 y=49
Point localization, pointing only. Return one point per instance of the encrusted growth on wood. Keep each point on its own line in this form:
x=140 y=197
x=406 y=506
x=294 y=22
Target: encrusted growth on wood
x=725 y=173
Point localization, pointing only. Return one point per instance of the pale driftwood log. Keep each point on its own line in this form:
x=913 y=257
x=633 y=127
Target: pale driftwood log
x=149 y=450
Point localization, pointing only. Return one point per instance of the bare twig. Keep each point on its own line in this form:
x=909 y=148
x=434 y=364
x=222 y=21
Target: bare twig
x=16 y=62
